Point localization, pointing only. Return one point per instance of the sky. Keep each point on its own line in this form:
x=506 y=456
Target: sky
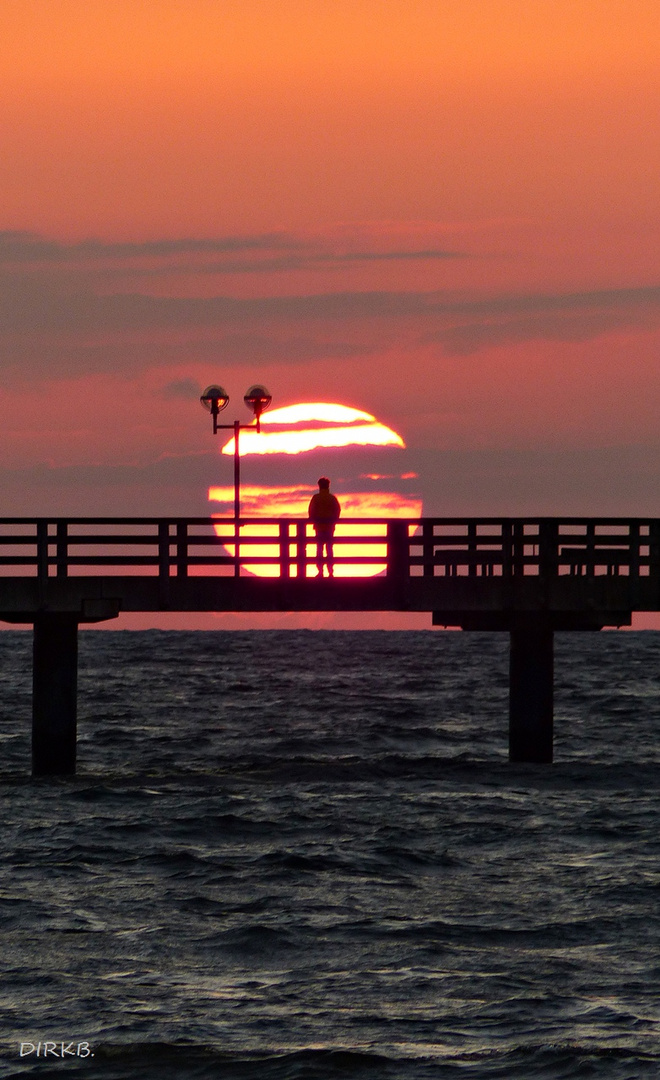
x=443 y=214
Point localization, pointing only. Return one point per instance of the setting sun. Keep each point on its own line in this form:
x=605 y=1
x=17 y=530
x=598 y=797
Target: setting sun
x=299 y=428
x=302 y=429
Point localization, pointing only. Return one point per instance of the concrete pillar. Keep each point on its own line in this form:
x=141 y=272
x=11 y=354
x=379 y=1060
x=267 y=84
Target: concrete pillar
x=54 y=694
x=530 y=694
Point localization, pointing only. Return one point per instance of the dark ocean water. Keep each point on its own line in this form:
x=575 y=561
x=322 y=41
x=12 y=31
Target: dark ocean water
x=305 y=855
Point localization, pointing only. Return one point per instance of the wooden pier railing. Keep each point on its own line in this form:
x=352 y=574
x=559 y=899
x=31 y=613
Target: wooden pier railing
x=281 y=547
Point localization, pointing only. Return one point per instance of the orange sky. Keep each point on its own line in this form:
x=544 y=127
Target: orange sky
x=443 y=213
x=193 y=117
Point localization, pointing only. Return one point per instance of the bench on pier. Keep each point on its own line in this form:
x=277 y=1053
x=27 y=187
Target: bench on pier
x=582 y=561
x=478 y=563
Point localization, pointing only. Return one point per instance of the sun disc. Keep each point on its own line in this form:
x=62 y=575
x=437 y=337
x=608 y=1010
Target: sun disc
x=342 y=426
x=299 y=429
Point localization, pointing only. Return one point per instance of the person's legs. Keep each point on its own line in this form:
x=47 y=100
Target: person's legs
x=324 y=550
x=328 y=548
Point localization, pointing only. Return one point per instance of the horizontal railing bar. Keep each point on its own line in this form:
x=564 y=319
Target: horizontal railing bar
x=468 y=556
x=266 y=560
x=576 y=543
x=109 y=560
x=601 y=543
x=466 y=559
x=194 y=521
x=110 y=539
x=601 y=560
x=226 y=560
x=212 y=541
x=446 y=521
x=463 y=538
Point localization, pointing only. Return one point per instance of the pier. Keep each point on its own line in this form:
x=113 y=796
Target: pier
x=528 y=577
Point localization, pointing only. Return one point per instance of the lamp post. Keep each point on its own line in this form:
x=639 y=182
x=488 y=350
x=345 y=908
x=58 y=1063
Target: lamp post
x=215 y=399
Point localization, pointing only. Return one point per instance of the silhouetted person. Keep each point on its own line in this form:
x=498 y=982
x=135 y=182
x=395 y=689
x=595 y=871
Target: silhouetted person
x=324 y=511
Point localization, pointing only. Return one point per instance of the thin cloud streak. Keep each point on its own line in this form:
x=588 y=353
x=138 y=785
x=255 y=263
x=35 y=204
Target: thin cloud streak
x=286 y=253
x=27 y=306
x=324 y=261
x=30 y=247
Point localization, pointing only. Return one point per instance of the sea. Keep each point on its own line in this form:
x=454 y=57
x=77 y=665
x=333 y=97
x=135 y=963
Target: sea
x=305 y=854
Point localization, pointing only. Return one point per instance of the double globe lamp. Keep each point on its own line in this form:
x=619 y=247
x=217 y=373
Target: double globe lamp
x=215 y=399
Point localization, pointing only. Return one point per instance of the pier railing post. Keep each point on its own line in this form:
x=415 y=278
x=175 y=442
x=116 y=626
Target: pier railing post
x=548 y=549
x=164 y=563
x=237 y=542
x=428 y=548
x=301 y=550
x=654 y=549
x=62 y=549
x=518 y=549
x=182 y=549
x=285 y=552
x=42 y=560
x=531 y=693
x=54 y=694
x=398 y=551
x=507 y=549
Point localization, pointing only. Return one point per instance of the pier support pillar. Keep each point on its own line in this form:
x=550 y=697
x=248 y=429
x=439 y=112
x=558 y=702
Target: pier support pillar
x=531 y=694
x=54 y=694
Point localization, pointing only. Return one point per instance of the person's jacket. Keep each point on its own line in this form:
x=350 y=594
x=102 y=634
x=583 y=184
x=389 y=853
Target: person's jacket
x=324 y=508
